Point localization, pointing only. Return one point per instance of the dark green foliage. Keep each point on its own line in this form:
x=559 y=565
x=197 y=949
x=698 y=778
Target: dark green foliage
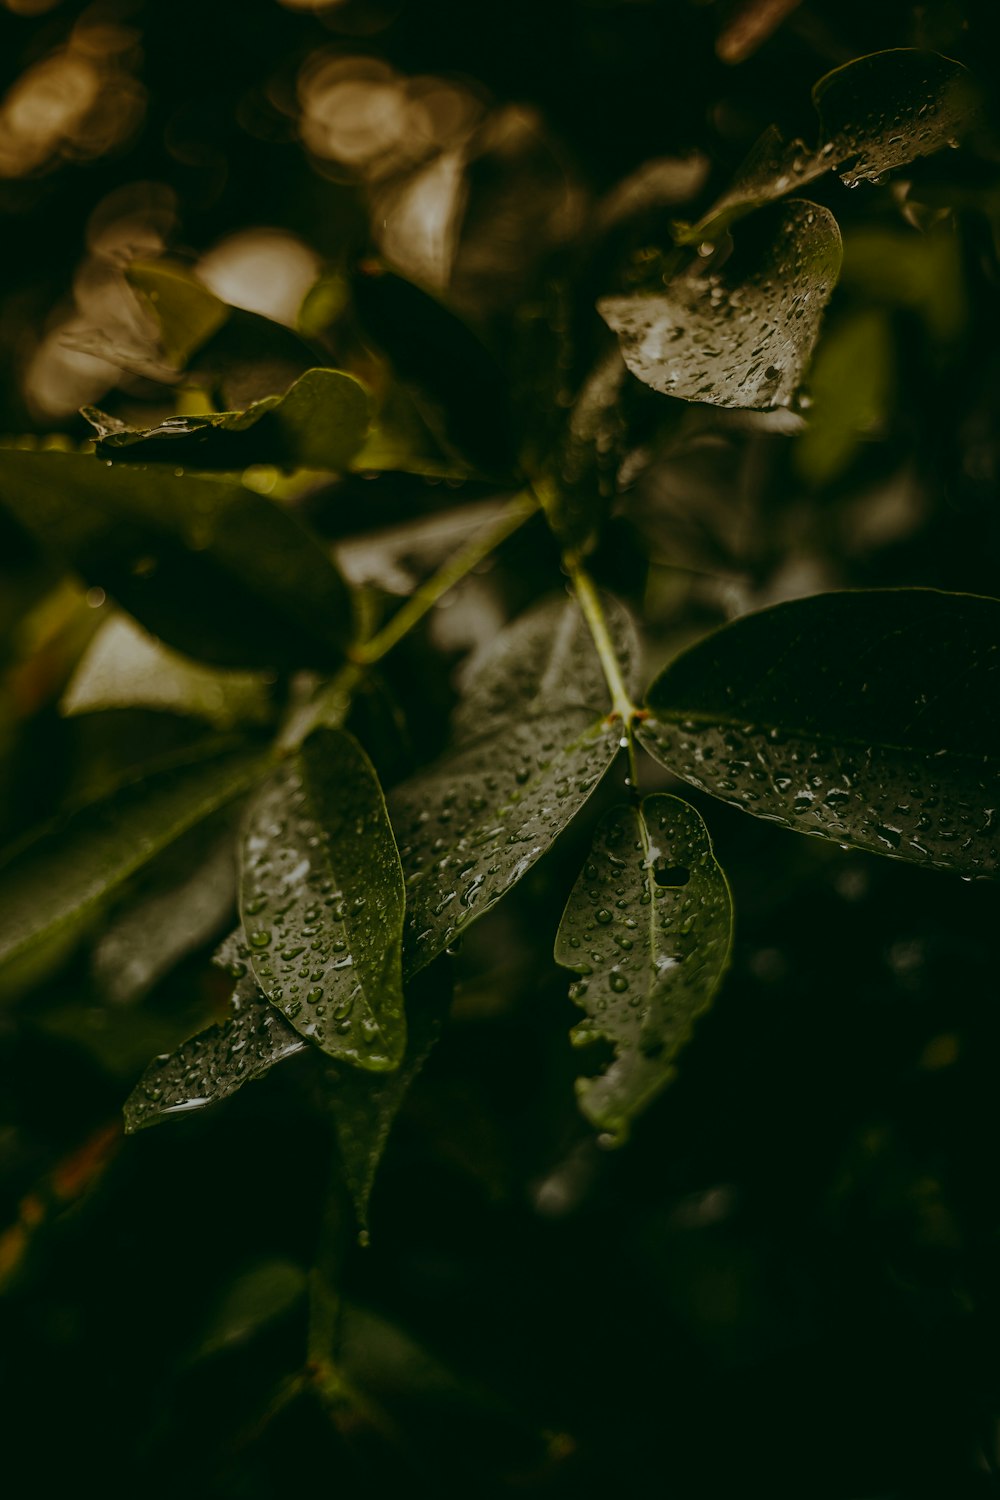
x=531 y=740
x=216 y=569
x=647 y=928
x=844 y=715
x=742 y=337
x=876 y=113
x=425 y=449
x=55 y=884
x=321 y=899
x=319 y=423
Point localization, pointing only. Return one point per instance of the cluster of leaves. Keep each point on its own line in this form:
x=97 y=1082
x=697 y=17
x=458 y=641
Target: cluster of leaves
x=839 y=715
x=861 y=717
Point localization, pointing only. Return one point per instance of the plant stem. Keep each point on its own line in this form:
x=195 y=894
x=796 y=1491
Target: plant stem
x=331 y=703
x=514 y=514
x=593 y=612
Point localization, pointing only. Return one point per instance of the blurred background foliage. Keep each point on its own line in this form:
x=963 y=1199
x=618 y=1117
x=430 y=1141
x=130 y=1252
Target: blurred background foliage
x=790 y=1280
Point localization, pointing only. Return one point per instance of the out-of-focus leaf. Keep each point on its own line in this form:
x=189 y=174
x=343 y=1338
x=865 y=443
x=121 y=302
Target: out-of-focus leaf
x=241 y=355
x=62 y=877
x=742 y=336
x=218 y=571
x=185 y=897
x=364 y=1105
x=522 y=201
x=869 y=718
x=648 y=929
x=255 y=1298
x=123 y=667
x=849 y=384
x=876 y=113
x=532 y=739
x=663 y=182
x=319 y=423
x=321 y=898
x=211 y=1066
x=920 y=271
x=186 y=312
x=454 y=382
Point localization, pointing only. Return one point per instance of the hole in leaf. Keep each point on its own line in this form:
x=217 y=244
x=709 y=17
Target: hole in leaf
x=665 y=874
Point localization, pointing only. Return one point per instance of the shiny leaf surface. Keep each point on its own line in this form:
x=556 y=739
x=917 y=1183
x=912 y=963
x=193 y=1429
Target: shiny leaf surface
x=321 y=901
x=742 y=336
x=648 y=929
x=876 y=113
x=532 y=740
x=869 y=718
x=211 y=1066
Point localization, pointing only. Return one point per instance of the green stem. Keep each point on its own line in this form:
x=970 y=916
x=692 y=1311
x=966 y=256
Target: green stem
x=331 y=703
x=514 y=514
x=593 y=612
x=329 y=707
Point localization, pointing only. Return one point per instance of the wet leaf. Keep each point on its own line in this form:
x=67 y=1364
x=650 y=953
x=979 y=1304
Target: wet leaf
x=648 y=930
x=876 y=113
x=63 y=876
x=364 y=1105
x=218 y=571
x=319 y=423
x=532 y=739
x=321 y=902
x=211 y=1066
x=123 y=667
x=869 y=718
x=742 y=336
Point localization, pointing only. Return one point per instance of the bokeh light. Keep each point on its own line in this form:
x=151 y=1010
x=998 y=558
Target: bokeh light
x=266 y=271
x=78 y=103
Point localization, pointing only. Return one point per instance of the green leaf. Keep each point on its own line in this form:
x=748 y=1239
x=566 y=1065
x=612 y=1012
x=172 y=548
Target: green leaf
x=242 y=356
x=211 y=1066
x=876 y=113
x=256 y=1297
x=850 y=385
x=321 y=902
x=648 y=928
x=186 y=312
x=220 y=1060
x=218 y=571
x=742 y=336
x=364 y=1105
x=320 y=423
x=869 y=718
x=182 y=900
x=123 y=667
x=532 y=739
x=63 y=875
